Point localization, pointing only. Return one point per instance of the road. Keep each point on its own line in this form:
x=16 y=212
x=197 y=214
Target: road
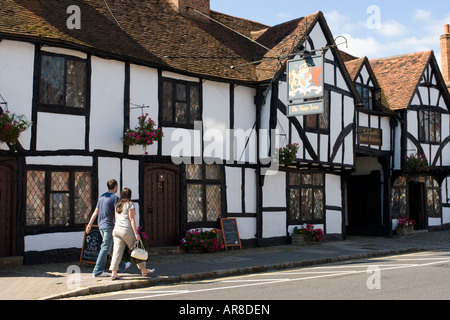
x=418 y=276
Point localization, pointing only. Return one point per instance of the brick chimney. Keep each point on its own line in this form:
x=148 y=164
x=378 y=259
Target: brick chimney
x=185 y=7
x=445 y=54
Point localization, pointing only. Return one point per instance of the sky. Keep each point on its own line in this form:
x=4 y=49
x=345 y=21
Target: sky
x=373 y=28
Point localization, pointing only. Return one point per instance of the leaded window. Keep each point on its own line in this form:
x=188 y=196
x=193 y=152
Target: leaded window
x=320 y=122
x=62 y=81
x=58 y=198
x=180 y=103
x=429 y=126
x=306 y=197
x=204 y=185
x=399 y=198
x=433 y=198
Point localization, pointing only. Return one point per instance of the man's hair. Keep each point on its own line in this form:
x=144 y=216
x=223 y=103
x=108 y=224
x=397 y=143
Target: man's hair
x=111 y=184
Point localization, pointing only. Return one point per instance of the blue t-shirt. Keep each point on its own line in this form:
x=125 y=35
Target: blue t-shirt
x=106 y=206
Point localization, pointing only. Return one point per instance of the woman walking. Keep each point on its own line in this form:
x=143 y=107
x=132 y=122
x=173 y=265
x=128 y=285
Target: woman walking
x=125 y=233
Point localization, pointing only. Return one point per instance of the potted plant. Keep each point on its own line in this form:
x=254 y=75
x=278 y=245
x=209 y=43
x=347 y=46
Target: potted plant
x=144 y=134
x=11 y=126
x=307 y=235
x=405 y=226
x=416 y=163
x=202 y=241
x=288 y=153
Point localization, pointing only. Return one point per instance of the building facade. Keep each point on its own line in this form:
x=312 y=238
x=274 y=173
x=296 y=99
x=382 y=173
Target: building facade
x=220 y=96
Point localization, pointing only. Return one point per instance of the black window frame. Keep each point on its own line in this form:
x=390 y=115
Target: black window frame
x=204 y=182
x=175 y=99
x=425 y=135
x=63 y=108
x=317 y=218
x=318 y=118
x=48 y=226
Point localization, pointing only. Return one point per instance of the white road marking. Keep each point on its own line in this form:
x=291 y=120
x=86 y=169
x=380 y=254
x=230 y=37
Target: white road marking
x=314 y=275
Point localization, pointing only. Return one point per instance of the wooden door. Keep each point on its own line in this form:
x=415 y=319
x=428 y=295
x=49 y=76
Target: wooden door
x=364 y=205
x=8 y=245
x=416 y=196
x=161 y=204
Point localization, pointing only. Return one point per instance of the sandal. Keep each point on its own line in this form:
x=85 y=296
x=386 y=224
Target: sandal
x=146 y=274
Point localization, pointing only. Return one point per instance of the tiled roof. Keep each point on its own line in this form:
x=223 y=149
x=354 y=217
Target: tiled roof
x=153 y=33
x=399 y=76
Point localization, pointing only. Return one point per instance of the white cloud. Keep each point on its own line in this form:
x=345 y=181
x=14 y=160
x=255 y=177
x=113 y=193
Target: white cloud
x=422 y=15
x=339 y=23
x=392 y=28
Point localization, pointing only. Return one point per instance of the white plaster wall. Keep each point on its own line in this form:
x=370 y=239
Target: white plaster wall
x=333 y=190
x=216 y=118
x=247 y=228
x=234 y=194
x=107 y=105
x=60 y=132
x=60 y=161
x=274 y=224
x=143 y=91
x=274 y=190
x=108 y=168
x=250 y=190
x=244 y=119
x=16 y=82
x=334 y=222
x=51 y=241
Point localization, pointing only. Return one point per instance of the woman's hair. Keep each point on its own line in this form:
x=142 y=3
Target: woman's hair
x=125 y=196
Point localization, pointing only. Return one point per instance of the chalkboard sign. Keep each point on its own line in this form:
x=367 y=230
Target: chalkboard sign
x=91 y=246
x=230 y=233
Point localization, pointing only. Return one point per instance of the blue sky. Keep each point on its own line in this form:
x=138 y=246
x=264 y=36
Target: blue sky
x=373 y=28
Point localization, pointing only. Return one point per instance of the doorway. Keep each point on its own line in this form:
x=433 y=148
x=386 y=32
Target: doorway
x=416 y=199
x=161 y=204
x=364 y=205
x=8 y=202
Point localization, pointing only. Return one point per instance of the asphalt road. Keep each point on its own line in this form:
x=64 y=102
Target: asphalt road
x=418 y=276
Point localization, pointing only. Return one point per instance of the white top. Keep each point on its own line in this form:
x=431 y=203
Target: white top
x=123 y=219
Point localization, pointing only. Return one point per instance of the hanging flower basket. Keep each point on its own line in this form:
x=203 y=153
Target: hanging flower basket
x=416 y=163
x=144 y=134
x=11 y=126
x=288 y=154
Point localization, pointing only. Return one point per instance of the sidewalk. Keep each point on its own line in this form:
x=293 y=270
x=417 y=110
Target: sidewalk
x=52 y=281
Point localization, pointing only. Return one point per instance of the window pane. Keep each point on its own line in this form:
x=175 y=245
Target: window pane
x=181 y=113
x=213 y=202
x=83 y=200
x=213 y=172
x=437 y=127
x=307 y=179
x=167 y=101
x=181 y=92
x=194 y=105
x=35 y=209
x=294 y=179
x=59 y=209
x=60 y=181
x=307 y=204
x=318 y=179
x=194 y=172
x=194 y=203
x=76 y=84
x=318 y=204
x=51 y=86
x=294 y=205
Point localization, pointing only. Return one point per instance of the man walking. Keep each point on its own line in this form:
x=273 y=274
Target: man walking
x=105 y=212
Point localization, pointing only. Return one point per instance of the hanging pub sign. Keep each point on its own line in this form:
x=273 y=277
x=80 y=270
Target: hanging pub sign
x=307 y=108
x=305 y=82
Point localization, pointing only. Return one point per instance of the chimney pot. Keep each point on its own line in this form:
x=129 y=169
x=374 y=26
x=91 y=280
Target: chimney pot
x=445 y=55
x=447 y=28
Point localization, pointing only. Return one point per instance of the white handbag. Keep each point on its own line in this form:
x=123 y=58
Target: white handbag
x=139 y=251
